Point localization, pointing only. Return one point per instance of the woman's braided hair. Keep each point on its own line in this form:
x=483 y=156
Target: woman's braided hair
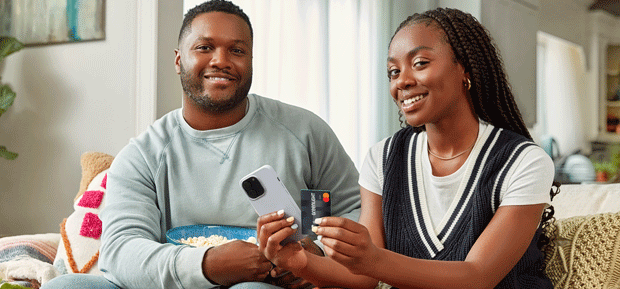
x=491 y=94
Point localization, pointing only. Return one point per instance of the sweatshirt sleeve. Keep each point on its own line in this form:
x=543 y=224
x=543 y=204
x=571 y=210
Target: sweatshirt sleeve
x=133 y=251
x=333 y=169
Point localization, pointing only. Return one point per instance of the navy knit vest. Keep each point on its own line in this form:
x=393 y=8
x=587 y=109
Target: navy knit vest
x=405 y=232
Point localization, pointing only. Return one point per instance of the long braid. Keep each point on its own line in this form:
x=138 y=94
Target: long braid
x=474 y=48
x=491 y=93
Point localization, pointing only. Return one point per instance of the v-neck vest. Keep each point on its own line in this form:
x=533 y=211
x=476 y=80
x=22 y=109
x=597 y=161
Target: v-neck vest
x=408 y=228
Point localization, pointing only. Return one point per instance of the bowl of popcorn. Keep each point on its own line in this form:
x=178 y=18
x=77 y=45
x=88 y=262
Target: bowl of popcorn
x=209 y=235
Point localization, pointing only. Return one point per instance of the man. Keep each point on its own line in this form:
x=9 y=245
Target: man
x=185 y=169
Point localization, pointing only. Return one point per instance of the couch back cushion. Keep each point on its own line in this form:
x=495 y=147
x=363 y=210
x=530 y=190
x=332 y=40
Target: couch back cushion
x=582 y=200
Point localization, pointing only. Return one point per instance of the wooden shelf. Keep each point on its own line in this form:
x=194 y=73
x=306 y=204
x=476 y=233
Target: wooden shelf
x=615 y=103
x=609 y=81
x=608 y=137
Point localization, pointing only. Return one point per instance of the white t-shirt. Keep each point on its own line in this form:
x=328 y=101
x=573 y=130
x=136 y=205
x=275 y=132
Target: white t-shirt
x=529 y=183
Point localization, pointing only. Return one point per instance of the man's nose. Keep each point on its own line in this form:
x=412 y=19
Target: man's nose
x=220 y=59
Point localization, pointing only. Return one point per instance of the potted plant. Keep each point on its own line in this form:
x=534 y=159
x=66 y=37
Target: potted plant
x=8 y=45
x=605 y=171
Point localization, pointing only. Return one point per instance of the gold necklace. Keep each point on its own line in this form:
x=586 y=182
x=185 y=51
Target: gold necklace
x=452 y=157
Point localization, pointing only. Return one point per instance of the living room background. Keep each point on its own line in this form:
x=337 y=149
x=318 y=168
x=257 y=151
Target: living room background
x=95 y=96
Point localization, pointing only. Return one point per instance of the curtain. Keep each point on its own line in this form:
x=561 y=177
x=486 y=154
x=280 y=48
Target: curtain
x=327 y=57
x=561 y=85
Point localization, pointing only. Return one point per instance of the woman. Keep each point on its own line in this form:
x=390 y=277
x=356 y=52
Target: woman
x=455 y=199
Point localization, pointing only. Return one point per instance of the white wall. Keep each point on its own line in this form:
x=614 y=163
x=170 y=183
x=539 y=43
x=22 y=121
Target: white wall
x=566 y=19
x=71 y=98
x=169 y=90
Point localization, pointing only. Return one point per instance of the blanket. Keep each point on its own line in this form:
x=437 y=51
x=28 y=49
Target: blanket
x=26 y=260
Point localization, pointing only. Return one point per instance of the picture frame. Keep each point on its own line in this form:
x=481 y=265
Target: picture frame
x=42 y=22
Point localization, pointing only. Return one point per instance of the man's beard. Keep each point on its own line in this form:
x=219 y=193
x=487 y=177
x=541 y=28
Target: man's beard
x=194 y=88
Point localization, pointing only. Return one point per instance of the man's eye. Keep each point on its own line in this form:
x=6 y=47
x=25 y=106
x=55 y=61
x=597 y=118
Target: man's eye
x=238 y=51
x=204 y=47
x=420 y=63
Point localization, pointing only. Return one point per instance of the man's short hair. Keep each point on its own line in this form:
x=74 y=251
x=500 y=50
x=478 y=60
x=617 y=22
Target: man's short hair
x=212 y=6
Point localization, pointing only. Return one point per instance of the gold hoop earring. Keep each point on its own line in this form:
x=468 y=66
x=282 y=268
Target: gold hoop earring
x=467 y=84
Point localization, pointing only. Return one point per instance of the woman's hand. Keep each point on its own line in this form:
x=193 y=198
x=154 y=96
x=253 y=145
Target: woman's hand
x=271 y=229
x=348 y=243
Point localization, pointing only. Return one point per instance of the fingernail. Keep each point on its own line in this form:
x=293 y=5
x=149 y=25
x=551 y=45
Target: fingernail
x=319 y=237
x=294 y=227
x=315 y=228
x=318 y=221
x=290 y=219
x=280 y=212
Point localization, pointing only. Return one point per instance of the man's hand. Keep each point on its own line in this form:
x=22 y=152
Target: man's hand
x=234 y=262
x=286 y=279
x=311 y=247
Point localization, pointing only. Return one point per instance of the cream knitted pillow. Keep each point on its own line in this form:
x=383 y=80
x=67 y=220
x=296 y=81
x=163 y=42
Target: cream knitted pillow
x=584 y=252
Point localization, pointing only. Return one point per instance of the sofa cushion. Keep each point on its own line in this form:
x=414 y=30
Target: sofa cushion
x=78 y=251
x=584 y=252
x=581 y=200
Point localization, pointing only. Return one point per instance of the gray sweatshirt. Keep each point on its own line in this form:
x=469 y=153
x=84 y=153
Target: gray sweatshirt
x=173 y=175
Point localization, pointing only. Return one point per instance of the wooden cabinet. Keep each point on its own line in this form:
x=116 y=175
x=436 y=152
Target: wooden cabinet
x=611 y=87
x=606 y=50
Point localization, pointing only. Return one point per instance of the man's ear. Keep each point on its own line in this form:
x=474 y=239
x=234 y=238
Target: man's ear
x=177 y=61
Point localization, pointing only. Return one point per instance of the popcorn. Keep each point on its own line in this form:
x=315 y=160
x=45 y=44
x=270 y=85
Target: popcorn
x=213 y=240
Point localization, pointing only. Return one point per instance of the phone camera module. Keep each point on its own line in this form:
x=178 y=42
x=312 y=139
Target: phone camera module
x=253 y=188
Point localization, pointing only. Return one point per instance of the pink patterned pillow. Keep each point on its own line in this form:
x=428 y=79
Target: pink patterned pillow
x=78 y=251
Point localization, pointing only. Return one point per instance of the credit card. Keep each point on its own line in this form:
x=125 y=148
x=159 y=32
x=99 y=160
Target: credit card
x=314 y=204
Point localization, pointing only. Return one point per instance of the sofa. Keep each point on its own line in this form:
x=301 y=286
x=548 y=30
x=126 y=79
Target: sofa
x=584 y=248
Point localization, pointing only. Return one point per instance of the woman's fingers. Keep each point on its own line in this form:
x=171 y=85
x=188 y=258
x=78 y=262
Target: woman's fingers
x=347 y=243
x=278 y=232
x=267 y=218
x=271 y=229
x=340 y=222
x=268 y=224
x=336 y=255
x=339 y=246
x=338 y=228
x=342 y=236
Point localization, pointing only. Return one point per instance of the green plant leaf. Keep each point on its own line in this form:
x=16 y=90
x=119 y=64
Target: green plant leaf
x=9 y=45
x=11 y=286
x=7 y=154
x=7 y=96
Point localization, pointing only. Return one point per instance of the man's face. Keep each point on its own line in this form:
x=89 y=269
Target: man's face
x=214 y=61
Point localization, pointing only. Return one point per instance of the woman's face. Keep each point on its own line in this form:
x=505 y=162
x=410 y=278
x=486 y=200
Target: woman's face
x=426 y=81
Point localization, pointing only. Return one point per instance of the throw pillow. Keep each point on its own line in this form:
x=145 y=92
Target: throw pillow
x=78 y=251
x=585 y=252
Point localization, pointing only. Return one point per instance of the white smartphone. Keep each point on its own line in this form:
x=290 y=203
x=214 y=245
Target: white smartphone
x=268 y=194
